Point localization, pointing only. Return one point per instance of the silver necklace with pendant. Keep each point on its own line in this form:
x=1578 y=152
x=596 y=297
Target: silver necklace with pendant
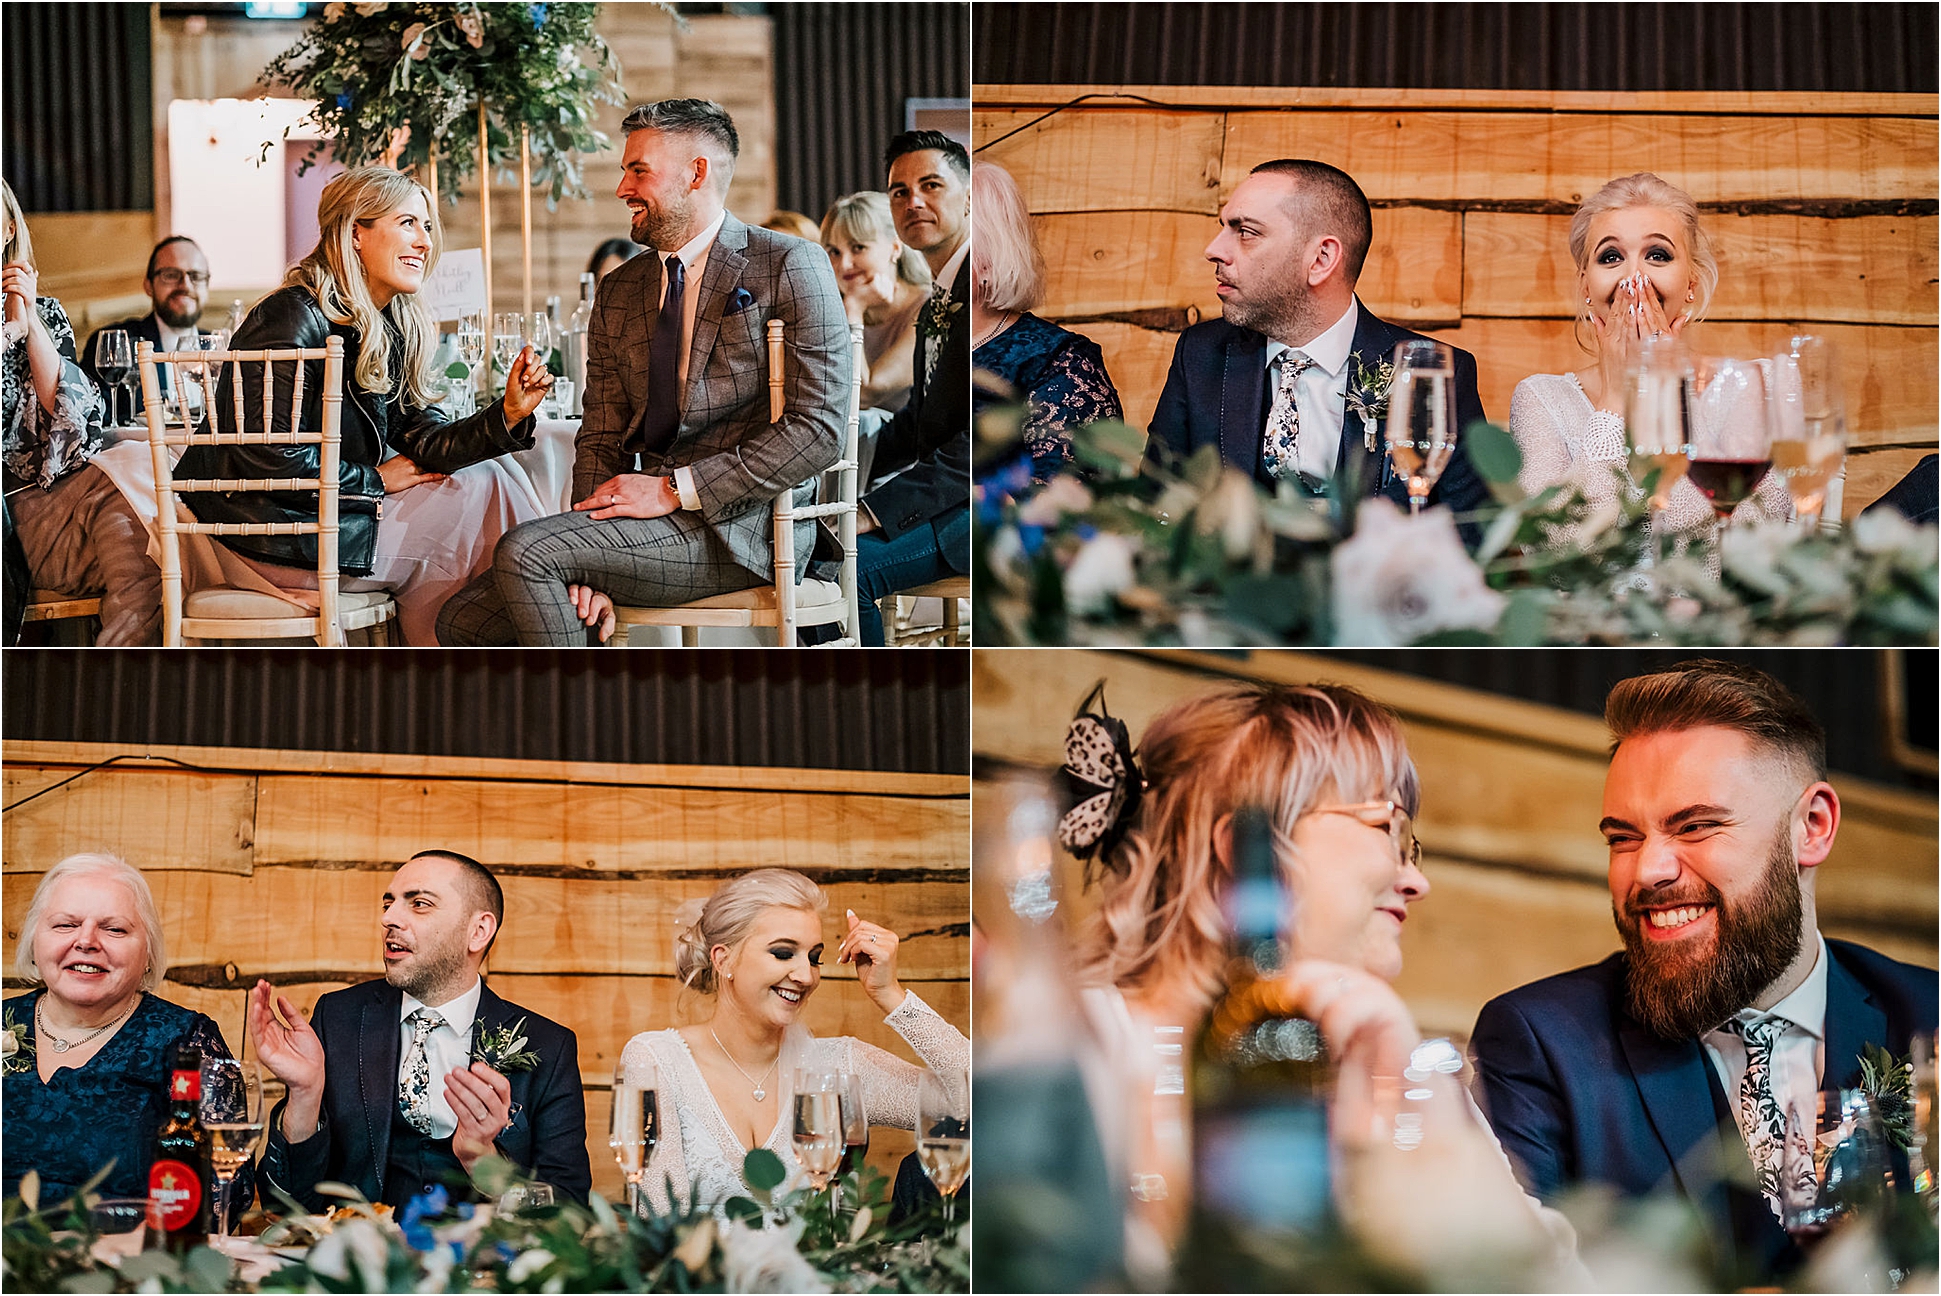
x=61 y=1045
x=759 y=1092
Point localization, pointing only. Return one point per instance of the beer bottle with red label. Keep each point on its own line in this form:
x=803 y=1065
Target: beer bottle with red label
x=179 y=1185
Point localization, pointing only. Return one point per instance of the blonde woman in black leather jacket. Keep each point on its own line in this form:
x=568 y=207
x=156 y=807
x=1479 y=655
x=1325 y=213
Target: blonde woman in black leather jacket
x=421 y=508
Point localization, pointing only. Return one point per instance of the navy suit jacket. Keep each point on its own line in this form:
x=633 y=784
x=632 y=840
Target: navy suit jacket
x=1578 y=1092
x=930 y=440
x=1216 y=394
x=360 y=1035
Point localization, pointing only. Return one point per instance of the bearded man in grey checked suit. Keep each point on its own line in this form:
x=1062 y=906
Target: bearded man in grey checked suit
x=677 y=462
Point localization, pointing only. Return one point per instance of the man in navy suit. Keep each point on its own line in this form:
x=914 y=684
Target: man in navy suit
x=383 y=1092
x=1672 y=1066
x=1270 y=383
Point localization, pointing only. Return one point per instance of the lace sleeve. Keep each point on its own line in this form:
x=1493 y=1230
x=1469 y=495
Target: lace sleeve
x=1537 y=427
x=890 y=1083
x=668 y=1164
x=1076 y=390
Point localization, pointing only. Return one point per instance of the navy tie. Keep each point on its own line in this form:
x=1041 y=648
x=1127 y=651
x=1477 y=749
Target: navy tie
x=664 y=363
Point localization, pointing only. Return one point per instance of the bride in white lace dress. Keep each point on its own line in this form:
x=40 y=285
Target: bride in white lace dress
x=1644 y=267
x=757 y=948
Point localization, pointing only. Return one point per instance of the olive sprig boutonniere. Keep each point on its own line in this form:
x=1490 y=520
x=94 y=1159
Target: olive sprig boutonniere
x=16 y=1045
x=503 y=1048
x=1889 y=1081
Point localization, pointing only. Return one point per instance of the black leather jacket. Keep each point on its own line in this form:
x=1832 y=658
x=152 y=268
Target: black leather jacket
x=372 y=428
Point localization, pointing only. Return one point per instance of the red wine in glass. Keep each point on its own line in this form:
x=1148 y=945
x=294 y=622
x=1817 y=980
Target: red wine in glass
x=1727 y=482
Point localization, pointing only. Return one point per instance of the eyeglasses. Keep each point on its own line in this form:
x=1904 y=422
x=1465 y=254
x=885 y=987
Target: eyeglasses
x=170 y=278
x=1385 y=814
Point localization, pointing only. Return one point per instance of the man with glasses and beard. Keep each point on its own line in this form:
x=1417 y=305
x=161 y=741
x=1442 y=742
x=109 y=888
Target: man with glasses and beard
x=405 y=1083
x=1672 y=1066
x=177 y=282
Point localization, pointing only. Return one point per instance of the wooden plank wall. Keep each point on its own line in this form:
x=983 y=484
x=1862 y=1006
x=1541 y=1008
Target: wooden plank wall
x=725 y=57
x=272 y=864
x=1822 y=208
x=1511 y=795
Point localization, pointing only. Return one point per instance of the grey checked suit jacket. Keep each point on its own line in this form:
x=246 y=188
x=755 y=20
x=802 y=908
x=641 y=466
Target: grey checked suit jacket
x=739 y=460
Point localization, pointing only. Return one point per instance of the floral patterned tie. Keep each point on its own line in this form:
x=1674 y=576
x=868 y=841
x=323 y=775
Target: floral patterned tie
x=1760 y=1118
x=414 y=1085
x=1280 y=449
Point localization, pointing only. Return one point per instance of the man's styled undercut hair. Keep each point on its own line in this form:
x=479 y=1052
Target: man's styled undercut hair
x=157 y=251
x=482 y=890
x=918 y=140
x=696 y=118
x=1728 y=695
x=1331 y=203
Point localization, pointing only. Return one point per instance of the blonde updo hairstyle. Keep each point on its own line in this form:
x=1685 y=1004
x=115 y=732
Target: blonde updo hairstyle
x=113 y=867
x=1644 y=190
x=729 y=914
x=865 y=218
x=1286 y=748
x=334 y=274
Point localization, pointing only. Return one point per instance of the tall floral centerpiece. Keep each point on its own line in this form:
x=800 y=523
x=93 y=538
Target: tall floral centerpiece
x=397 y=82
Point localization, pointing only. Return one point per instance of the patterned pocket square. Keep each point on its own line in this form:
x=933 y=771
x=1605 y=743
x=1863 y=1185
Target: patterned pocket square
x=739 y=300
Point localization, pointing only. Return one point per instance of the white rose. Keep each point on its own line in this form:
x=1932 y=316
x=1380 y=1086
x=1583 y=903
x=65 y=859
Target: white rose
x=767 y=1260
x=1399 y=579
x=1061 y=495
x=1102 y=568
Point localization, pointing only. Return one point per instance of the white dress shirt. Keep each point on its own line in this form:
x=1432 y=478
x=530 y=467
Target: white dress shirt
x=1320 y=394
x=447 y=1049
x=1799 y=1053
x=694 y=264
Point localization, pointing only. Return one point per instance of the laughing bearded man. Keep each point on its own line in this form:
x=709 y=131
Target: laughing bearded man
x=1670 y=1067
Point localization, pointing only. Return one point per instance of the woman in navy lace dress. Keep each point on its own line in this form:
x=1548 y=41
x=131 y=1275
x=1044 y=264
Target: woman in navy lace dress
x=88 y=1053
x=1058 y=373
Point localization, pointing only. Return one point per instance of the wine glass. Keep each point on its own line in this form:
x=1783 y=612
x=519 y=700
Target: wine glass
x=1837 y=1170
x=114 y=360
x=232 y=1113
x=1732 y=435
x=943 y=1131
x=470 y=341
x=508 y=339
x=1421 y=427
x=855 y=1130
x=817 y=1128
x=540 y=334
x=1810 y=422
x=1658 y=416
x=635 y=1128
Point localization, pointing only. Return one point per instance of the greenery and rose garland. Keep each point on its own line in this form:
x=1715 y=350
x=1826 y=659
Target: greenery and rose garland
x=1115 y=549
x=381 y=72
x=770 y=1240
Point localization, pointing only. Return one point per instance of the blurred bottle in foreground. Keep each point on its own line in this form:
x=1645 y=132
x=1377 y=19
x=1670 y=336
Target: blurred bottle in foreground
x=1048 y=1216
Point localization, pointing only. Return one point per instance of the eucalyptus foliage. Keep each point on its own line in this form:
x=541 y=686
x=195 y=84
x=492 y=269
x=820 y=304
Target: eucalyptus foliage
x=380 y=70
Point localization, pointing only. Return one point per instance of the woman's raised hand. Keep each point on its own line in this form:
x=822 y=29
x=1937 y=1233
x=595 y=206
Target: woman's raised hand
x=873 y=950
x=1364 y=1021
x=525 y=386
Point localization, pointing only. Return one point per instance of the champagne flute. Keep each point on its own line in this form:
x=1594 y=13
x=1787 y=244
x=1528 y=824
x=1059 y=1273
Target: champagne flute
x=817 y=1129
x=232 y=1113
x=540 y=334
x=470 y=341
x=635 y=1128
x=508 y=339
x=943 y=1131
x=1421 y=427
x=1732 y=435
x=855 y=1131
x=114 y=360
x=1810 y=422
x=1658 y=416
